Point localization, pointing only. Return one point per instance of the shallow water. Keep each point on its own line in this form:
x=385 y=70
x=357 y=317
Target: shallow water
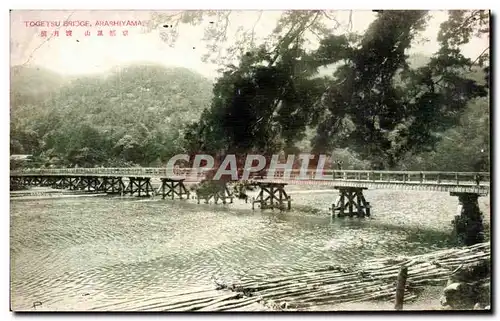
x=130 y=253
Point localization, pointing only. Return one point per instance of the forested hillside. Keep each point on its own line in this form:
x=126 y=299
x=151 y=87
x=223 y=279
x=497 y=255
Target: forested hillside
x=134 y=115
x=138 y=116
x=361 y=97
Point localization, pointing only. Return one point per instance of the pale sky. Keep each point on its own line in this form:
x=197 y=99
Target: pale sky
x=94 y=54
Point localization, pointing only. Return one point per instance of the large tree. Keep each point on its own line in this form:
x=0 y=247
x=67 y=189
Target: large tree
x=374 y=103
x=223 y=46
x=379 y=106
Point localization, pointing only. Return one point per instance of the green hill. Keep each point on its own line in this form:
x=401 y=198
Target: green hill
x=133 y=114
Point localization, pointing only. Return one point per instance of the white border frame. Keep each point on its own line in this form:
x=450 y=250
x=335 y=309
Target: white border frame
x=146 y=4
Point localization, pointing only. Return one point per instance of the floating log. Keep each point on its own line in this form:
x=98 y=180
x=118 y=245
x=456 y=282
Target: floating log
x=368 y=283
x=206 y=302
x=370 y=280
x=229 y=304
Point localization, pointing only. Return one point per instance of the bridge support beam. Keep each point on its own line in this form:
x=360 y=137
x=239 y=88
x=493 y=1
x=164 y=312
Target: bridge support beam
x=73 y=182
x=173 y=187
x=79 y=183
x=468 y=223
x=271 y=196
x=140 y=185
x=17 y=183
x=49 y=181
x=111 y=185
x=34 y=181
x=61 y=182
x=351 y=202
x=89 y=183
x=218 y=190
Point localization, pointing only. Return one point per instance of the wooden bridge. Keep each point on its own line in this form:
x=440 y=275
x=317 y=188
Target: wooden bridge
x=467 y=186
x=350 y=183
x=462 y=182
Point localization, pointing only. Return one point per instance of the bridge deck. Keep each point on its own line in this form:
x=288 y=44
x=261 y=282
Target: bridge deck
x=465 y=182
x=464 y=187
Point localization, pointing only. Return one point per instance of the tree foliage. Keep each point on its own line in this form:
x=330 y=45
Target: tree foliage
x=307 y=86
x=302 y=25
x=465 y=147
x=135 y=115
x=374 y=103
x=261 y=107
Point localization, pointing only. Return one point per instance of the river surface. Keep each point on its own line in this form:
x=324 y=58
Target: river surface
x=112 y=253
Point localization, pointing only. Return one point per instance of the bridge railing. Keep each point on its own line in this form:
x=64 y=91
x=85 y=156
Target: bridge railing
x=456 y=178
x=422 y=177
x=126 y=171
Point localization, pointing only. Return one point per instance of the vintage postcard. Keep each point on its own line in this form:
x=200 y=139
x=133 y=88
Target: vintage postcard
x=321 y=160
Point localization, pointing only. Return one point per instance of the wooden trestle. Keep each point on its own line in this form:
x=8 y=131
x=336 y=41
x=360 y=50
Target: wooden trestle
x=172 y=187
x=105 y=184
x=468 y=225
x=350 y=202
x=140 y=186
x=218 y=191
x=112 y=185
x=271 y=196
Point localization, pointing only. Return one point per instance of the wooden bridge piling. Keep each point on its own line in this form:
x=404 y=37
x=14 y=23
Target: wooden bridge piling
x=218 y=190
x=72 y=182
x=111 y=185
x=468 y=224
x=80 y=183
x=140 y=185
x=350 y=198
x=172 y=187
x=468 y=186
x=271 y=196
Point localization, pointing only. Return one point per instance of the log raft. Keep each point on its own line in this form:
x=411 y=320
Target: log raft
x=371 y=280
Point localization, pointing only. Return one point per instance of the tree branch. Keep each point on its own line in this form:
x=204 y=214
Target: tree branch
x=330 y=18
x=290 y=38
x=46 y=40
x=349 y=26
x=482 y=53
x=254 y=25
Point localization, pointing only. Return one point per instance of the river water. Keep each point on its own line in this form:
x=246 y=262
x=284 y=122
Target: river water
x=114 y=253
